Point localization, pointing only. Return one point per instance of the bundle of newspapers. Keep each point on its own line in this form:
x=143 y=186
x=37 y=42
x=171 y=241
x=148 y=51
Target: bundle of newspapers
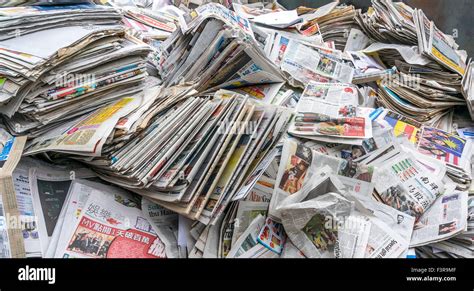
x=238 y=131
x=334 y=22
x=214 y=49
x=18 y=21
x=78 y=69
x=430 y=67
x=190 y=156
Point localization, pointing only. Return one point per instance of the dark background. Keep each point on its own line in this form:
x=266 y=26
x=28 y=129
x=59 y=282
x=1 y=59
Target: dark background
x=448 y=15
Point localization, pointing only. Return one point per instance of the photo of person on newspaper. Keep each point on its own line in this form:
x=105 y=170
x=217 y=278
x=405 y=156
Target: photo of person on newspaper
x=357 y=152
x=316 y=91
x=322 y=237
x=394 y=197
x=428 y=148
x=326 y=65
x=447 y=228
x=296 y=169
x=310 y=75
x=369 y=145
x=440 y=144
x=351 y=169
x=90 y=243
x=293 y=178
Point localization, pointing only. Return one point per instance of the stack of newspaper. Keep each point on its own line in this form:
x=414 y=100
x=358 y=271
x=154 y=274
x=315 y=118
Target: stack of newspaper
x=430 y=66
x=468 y=88
x=79 y=69
x=214 y=49
x=424 y=97
x=411 y=202
x=333 y=22
x=438 y=46
x=259 y=133
x=18 y=21
x=389 y=22
x=198 y=169
x=189 y=154
x=88 y=135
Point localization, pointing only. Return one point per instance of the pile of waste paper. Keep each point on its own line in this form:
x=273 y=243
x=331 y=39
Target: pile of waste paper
x=161 y=129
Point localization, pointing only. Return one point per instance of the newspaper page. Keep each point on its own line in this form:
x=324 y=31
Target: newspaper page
x=112 y=226
x=247 y=211
x=343 y=166
x=330 y=110
x=165 y=224
x=409 y=54
x=309 y=224
x=312 y=216
x=356 y=40
x=305 y=64
x=248 y=239
x=403 y=184
x=399 y=222
x=367 y=68
x=78 y=194
x=279 y=48
x=89 y=135
x=49 y=189
x=353 y=237
x=384 y=242
x=381 y=138
x=295 y=162
x=401 y=125
x=446 y=218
